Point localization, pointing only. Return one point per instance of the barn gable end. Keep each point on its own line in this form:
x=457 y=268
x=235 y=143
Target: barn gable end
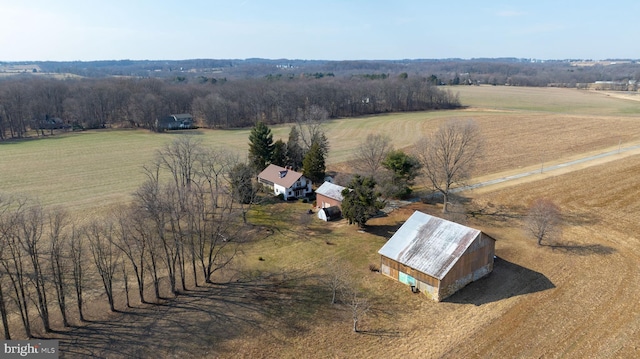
x=436 y=256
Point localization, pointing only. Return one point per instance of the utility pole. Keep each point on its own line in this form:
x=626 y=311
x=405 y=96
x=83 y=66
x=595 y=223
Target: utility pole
x=619 y=144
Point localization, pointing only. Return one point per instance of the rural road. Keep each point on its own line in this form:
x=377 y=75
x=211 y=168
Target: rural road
x=550 y=168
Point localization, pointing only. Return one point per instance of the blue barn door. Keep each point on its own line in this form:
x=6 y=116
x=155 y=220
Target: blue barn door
x=406 y=279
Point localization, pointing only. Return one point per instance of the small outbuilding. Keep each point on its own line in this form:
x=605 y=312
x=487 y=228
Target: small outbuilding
x=329 y=195
x=329 y=213
x=435 y=256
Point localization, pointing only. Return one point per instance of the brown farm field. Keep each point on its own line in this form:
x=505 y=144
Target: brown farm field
x=576 y=298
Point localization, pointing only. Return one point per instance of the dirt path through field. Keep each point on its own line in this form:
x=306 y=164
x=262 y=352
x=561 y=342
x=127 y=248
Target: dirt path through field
x=553 y=168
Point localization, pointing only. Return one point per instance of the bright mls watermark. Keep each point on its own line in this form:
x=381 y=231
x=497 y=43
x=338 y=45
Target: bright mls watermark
x=40 y=349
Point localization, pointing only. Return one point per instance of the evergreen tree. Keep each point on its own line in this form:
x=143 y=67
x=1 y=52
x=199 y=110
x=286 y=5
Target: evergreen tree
x=241 y=178
x=360 y=201
x=279 y=153
x=404 y=169
x=295 y=153
x=260 y=147
x=321 y=139
x=314 y=163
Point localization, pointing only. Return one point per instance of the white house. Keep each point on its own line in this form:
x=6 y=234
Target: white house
x=285 y=181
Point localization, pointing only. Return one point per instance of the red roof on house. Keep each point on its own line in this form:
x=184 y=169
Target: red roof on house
x=280 y=175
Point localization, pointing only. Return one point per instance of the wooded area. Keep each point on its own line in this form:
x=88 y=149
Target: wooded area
x=131 y=102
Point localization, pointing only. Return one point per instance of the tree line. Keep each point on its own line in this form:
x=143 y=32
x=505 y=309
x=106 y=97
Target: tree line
x=138 y=102
x=184 y=224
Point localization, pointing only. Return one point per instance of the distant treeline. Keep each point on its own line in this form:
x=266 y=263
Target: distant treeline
x=28 y=101
x=496 y=71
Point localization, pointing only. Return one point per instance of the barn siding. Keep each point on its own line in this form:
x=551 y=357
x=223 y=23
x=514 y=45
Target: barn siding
x=428 y=290
x=475 y=263
x=426 y=284
x=323 y=201
x=410 y=271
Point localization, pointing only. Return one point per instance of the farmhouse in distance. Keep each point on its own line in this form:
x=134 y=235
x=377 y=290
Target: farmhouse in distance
x=436 y=256
x=175 y=122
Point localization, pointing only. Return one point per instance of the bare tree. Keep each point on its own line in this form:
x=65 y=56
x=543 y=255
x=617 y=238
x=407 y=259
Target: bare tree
x=370 y=154
x=58 y=220
x=13 y=259
x=77 y=255
x=178 y=232
x=543 y=220
x=448 y=155
x=132 y=241
x=3 y=307
x=154 y=200
x=5 y=226
x=125 y=280
x=358 y=305
x=309 y=122
x=30 y=237
x=456 y=213
x=180 y=159
x=105 y=258
x=336 y=280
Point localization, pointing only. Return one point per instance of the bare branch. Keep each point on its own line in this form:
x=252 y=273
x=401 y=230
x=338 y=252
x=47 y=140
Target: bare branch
x=544 y=220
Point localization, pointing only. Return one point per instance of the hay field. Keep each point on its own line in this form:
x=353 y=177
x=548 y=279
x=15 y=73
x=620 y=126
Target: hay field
x=575 y=299
x=94 y=169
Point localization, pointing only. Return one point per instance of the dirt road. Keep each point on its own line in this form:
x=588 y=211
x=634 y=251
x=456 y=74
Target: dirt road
x=553 y=168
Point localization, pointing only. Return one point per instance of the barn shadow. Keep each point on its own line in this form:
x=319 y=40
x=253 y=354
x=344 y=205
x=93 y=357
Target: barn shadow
x=506 y=281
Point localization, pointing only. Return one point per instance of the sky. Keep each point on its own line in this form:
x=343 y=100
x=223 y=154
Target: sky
x=87 y=30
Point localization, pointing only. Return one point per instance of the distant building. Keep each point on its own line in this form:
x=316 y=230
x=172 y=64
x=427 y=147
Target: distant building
x=285 y=181
x=175 y=122
x=51 y=123
x=436 y=256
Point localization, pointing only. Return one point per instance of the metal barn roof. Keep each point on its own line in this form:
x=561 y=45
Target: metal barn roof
x=331 y=190
x=429 y=244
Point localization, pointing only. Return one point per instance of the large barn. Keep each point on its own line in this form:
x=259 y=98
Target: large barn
x=435 y=256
